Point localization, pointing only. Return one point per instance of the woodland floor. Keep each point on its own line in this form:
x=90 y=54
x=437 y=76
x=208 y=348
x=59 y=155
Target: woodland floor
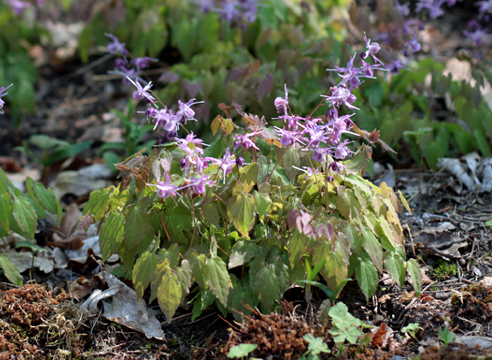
x=447 y=231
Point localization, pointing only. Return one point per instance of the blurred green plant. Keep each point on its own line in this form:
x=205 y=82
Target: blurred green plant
x=19 y=33
x=406 y=111
x=52 y=150
x=288 y=43
x=19 y=212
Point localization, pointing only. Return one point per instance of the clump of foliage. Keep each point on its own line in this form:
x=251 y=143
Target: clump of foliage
x=220 y=57
x=17 y=36
x=443 y=118
x=19 y=212
x=408 y=111
x=245 y=217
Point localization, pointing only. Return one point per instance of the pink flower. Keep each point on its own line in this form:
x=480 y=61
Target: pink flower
x=165 y=189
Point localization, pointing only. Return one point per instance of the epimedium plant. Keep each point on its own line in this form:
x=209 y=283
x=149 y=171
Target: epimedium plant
x=247 y=216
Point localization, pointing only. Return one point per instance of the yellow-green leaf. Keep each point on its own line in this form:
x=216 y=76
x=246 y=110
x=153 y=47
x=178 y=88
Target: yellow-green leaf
x=142 y=272
x=10 y=270
x=169 y=295
x=217 y=278
x=243 y=213
x=25 y=220
x=111 y=235
x=367 y=277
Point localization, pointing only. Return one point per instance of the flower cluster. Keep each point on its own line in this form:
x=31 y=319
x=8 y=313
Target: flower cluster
x=320 y=136
x=129 y=69
x=233 y=11
x=323 y=137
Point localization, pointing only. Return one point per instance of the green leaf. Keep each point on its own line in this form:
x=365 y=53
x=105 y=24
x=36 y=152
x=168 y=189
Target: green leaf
x=217 y=278
x=262 y=202
x=211 y=213
x=373 y=248
x=239 y=300
x=243 y=213
x=385 y=233
x=347 y=202
x=138 y=223
x=85 y=43
x=10 y=270
x=248 y=176
x=414 y=271
x=46 y=197
x=446 y=336
x=395 y=266
x=241 y=350
x=291 y=158
x=345 y=325
x=111 y=235
x=169 y=295
x=184 y=275
x=161 y=269
x=98 y=204
x=367 y=277
x=5 y=211
x=267 y=287
x=197 y=262
x=241 y=253
x=335 y=270
x=184 y=38
x=297 y=247
x=25 y=219
x=142 y=272
x=172 y=253
x=481 y=142
x=316 y=345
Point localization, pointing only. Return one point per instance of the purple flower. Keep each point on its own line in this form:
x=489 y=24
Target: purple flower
x=225 y=164
x=245 y=141
x=198 y=184
x=308 y=170
x=287 y=137
x=126 y=73
x=230 y=10
x=342 y=151
x=484 y=7
x=414 y=43
x=165 y=189
x=142 y=92
x=19 y=6
x=403 y=9
x=433 y=6
x=142 y=63
x=116 y=47
x=3 y=93
x=185 y=112
x=282 y=103
x=341 y=95
x=206 y=5
x=372 y=50
x=395 y=66
x=477 y=36
x=250 y=7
